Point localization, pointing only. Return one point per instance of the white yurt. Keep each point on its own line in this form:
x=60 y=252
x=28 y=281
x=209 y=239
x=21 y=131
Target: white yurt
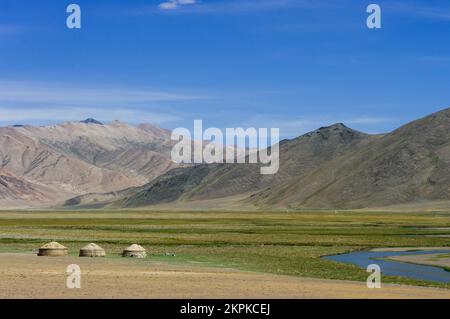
x=53 y=249
x=92 y=250
x=135 y=251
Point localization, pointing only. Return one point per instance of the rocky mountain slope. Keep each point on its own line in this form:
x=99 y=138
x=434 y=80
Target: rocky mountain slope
x=81 y=157
x=18 y=192
x=297 y=158
x=411 y=164
x=331 y=168
x=89 y=164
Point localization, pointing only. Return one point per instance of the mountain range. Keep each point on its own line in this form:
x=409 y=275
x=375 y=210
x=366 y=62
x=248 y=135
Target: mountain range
x=48 y=165
x=91 y=165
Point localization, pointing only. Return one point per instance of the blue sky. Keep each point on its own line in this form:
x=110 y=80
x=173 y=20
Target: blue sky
x=292 y=64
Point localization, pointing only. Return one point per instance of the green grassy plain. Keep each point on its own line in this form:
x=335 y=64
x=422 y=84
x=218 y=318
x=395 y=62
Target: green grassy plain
x=280 y=243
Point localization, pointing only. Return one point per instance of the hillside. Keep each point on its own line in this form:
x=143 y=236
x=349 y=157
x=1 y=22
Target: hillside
x=90 y=164
x=82 y=157
x=411 y=164
x=298 y=157
x=331 y=168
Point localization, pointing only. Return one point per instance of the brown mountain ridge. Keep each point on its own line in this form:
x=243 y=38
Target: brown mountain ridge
x=75 y=158
x=333 y=167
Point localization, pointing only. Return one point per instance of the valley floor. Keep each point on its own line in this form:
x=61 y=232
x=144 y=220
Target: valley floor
x=214 y=254
x=28 y=276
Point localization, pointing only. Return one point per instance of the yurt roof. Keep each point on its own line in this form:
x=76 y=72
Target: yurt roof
x=53 y=245
x=135 y=247
x=92 y=246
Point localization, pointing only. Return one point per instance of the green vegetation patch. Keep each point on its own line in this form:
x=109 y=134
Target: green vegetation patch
x=279 y=243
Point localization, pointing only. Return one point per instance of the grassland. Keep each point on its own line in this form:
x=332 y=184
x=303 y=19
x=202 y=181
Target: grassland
x=279 y=243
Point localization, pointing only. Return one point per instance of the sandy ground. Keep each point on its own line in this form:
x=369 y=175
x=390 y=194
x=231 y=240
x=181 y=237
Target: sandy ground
x=29 y=276
x=429 y=259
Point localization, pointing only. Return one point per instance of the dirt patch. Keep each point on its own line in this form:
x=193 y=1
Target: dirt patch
x=29 y=276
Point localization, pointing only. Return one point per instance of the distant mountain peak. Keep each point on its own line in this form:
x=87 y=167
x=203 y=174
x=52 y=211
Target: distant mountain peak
x=336 y=126
x=91 y=121
x=338 y=129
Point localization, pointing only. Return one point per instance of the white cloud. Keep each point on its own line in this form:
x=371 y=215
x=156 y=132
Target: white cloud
x=31 y=102
x=51 y=93
x=169 y=5
x=30 y=115
x=242 y=6
x=175 y=4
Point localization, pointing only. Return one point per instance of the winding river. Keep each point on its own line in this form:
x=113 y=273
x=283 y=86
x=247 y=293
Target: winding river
x=394 y=268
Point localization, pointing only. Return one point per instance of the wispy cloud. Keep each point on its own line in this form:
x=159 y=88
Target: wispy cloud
x=49 y=102
x=175 y=4
x=50 y=93
x=238 y=6
x=30 y=115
